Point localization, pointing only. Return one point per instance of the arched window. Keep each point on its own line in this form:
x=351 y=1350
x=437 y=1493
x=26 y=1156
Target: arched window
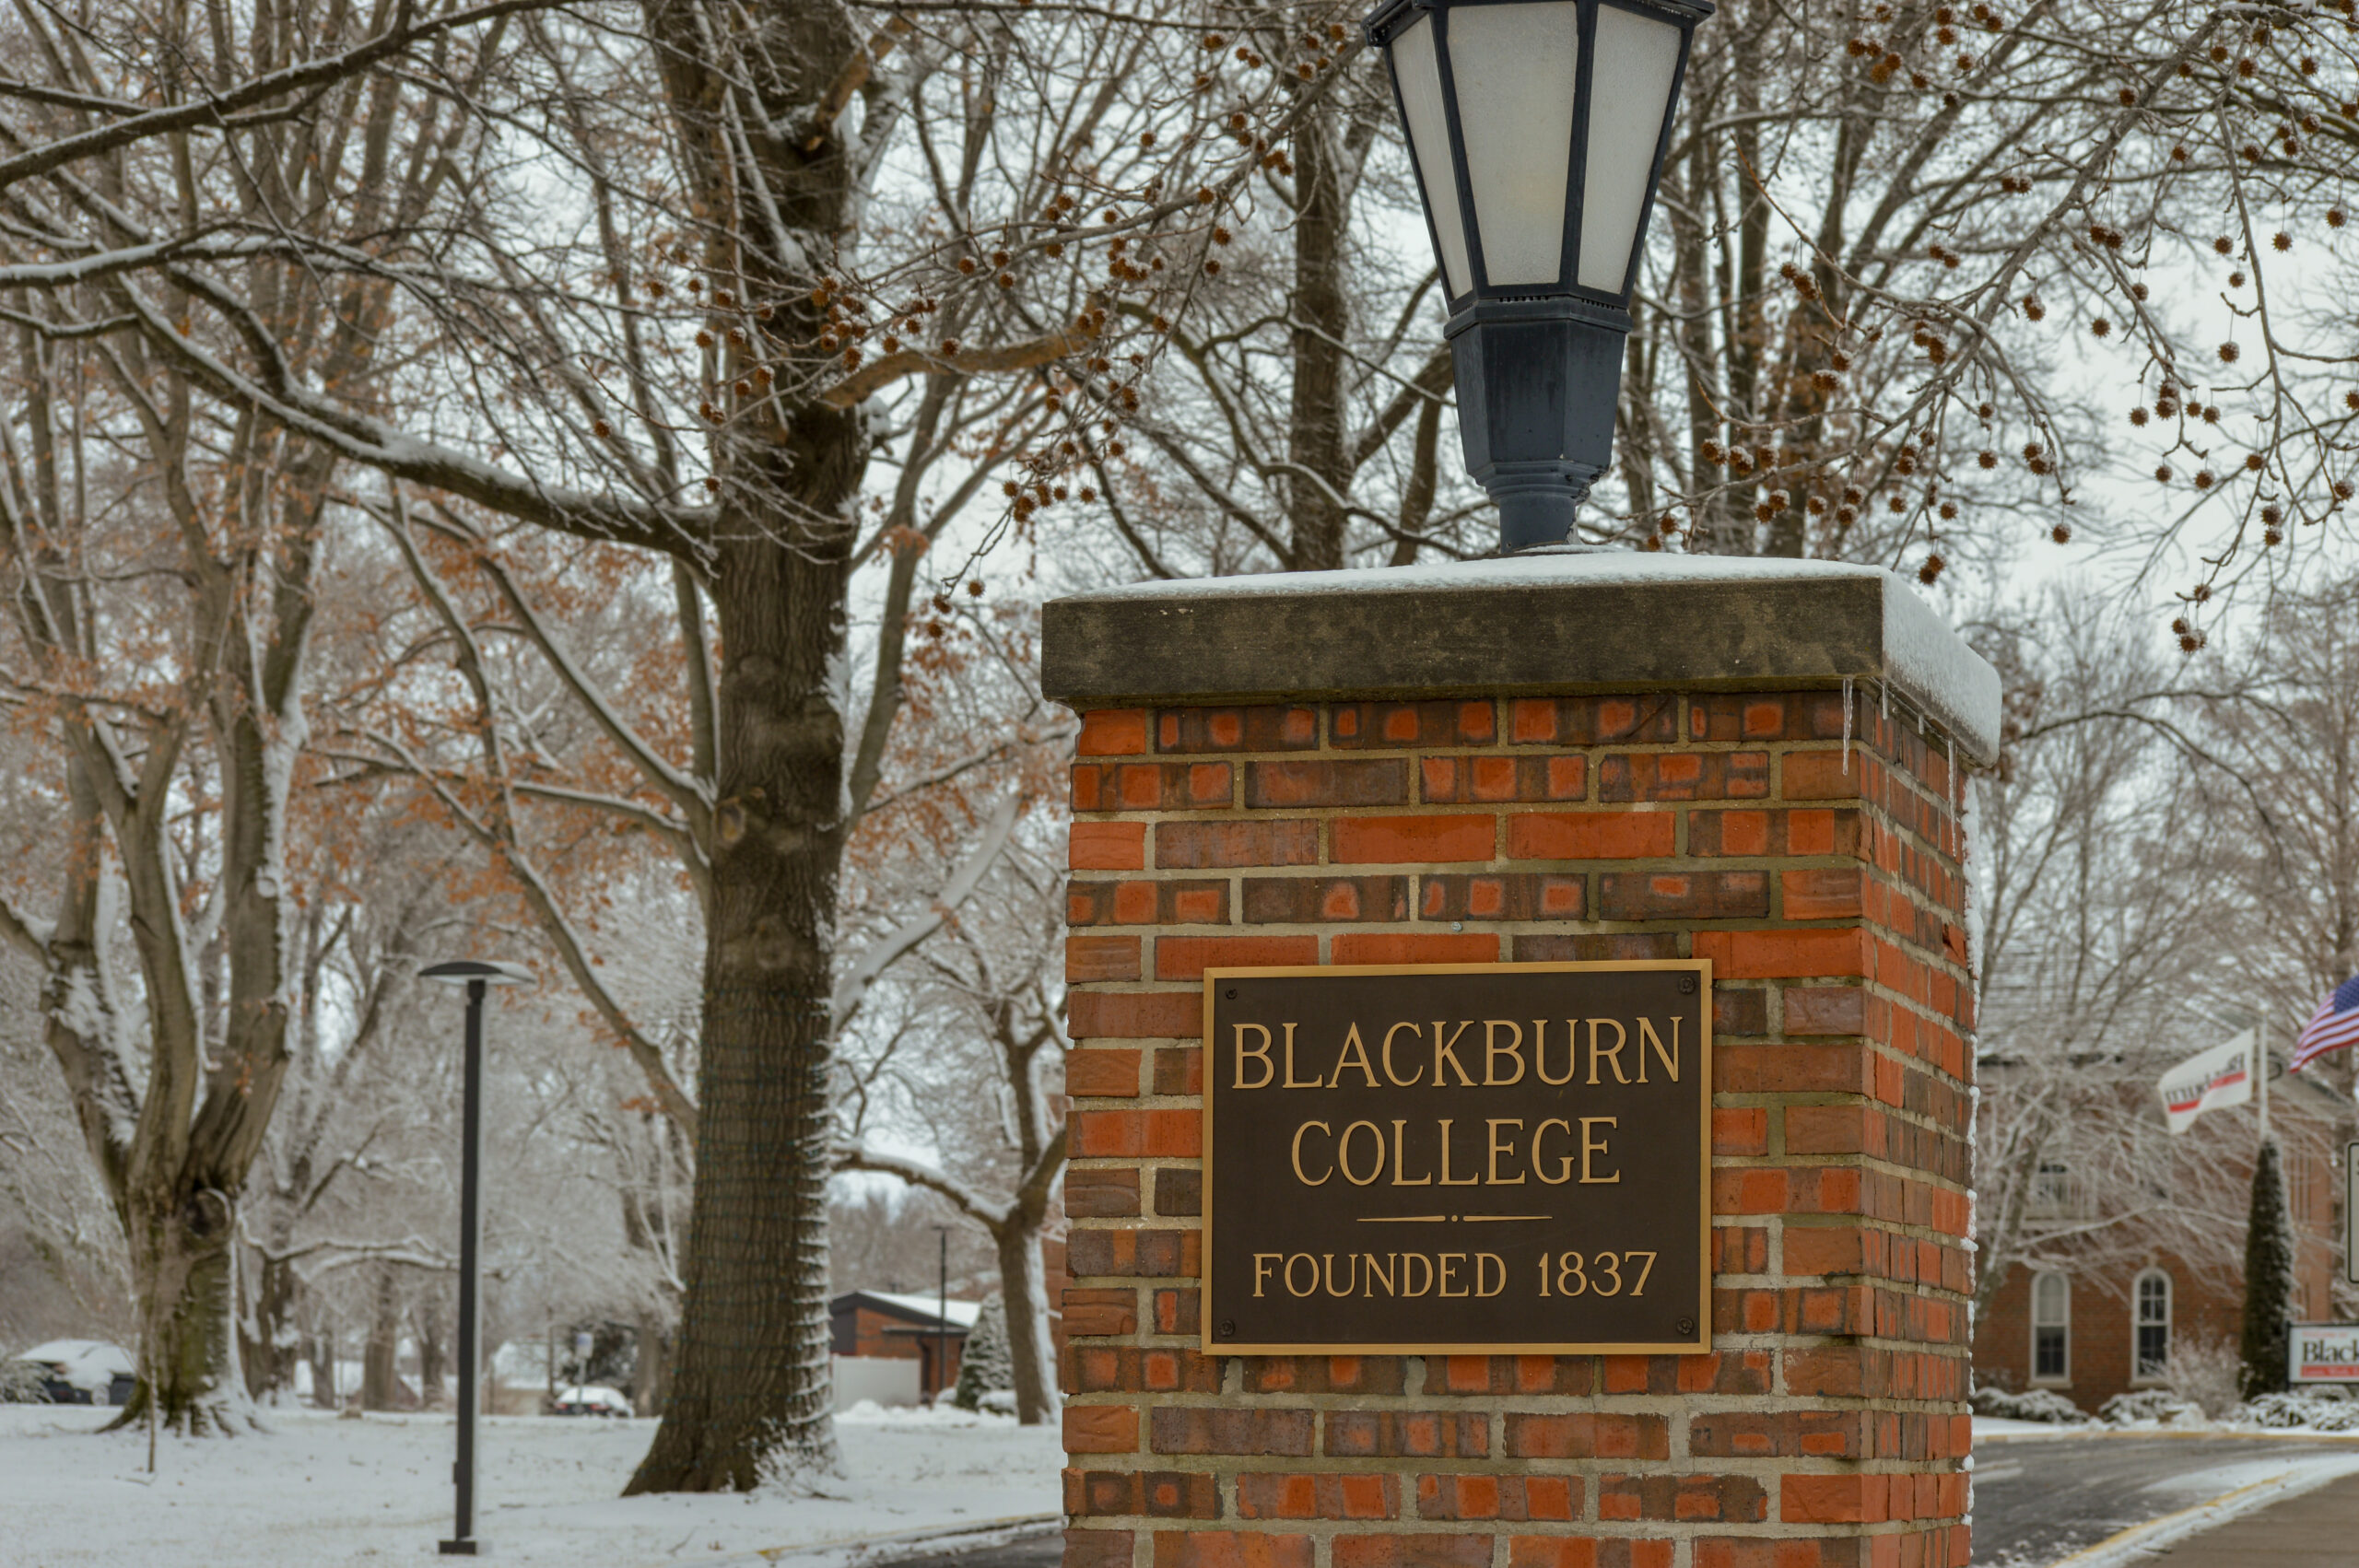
x=2153 y=1323
x=2051 y=1328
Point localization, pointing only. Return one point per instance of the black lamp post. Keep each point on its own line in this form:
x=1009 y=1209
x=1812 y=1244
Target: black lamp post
x=478 y=976
x=1538 y=129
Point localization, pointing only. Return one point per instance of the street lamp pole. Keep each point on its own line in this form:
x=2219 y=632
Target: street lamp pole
x=478 y=976
x=942 y=1316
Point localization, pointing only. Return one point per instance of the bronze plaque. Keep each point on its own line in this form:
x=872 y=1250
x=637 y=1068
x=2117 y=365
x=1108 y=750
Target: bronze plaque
x=1458 y=1159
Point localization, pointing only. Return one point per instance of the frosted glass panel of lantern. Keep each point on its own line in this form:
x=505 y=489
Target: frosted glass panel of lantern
x=1517 y=122
x=1630 y=76
x=1418 y=72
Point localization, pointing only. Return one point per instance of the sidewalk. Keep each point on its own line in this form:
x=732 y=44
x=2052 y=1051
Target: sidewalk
x=2317 y=1529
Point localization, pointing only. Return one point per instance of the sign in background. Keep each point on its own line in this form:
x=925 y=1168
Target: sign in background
x=2322 y=1353
x=2351 y=1212
x=1509 y=1157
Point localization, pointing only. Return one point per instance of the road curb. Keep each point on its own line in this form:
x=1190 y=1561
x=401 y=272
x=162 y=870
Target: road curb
x=858 y=1551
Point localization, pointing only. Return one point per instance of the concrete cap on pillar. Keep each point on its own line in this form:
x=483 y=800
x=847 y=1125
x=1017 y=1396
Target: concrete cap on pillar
x=1545 y=624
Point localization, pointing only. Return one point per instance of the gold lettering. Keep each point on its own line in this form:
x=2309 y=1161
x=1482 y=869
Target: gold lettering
x=1344 y=1154
x=1269 y=1068
x=1539 y=1051
x=1400 y=1147
x=1294 y=1258
x=1484 y=1263
x=1261 y=1269
x=1493 y=1051
x=1409 y=1257
x=1597 y=1146
x=1449 y=1273
x=1646 y=1036
x=1446 y=1181
x=1299 y=1174
x=1390 y=1260
x=1498 y=1149
x=1621 y=1038
x=1356 y=1055
x=1447 y=1052
x=1328 y=1273
x=1314 y=1082
x=1565 y=1168
x=1398 y=1081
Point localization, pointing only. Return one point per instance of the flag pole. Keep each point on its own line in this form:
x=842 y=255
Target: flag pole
x=2261 y=1074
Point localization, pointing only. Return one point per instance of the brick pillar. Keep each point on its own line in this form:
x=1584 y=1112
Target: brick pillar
x=1366 y=822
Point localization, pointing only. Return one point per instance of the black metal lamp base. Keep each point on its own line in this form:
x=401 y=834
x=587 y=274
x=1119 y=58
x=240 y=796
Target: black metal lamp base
x=1536 y=517
x=1538 y=381
x=468 y=1548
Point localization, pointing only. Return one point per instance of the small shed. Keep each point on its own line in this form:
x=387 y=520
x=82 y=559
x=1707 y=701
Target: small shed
x=920 y=1328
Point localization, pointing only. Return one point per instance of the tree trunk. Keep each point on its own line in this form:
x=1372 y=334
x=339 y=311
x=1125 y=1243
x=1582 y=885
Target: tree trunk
x=1719 y=526
x=319 y=1350
x=183 y=1268
x=1024 y=1287
x=271 y=1349
x=751 y=1387
x=377 y=1371
x=752 y=1384
x=651 y=1382
x=1315 y=442
x=433 y=1361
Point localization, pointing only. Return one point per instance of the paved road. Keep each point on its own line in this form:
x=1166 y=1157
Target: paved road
x=2036 y=1500
x=2041 y=1499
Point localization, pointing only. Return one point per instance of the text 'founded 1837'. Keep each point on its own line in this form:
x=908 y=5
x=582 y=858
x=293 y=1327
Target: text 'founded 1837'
x=1505 y=1157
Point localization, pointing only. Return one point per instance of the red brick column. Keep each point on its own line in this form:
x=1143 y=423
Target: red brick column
x=1827 y=1427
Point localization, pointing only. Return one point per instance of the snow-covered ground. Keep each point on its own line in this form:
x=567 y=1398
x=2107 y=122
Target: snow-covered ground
x=1992 y=1428
x=315 y=1491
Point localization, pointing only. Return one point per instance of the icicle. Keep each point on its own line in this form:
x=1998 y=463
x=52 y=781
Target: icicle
x=1957 y=807
x=1846 y=726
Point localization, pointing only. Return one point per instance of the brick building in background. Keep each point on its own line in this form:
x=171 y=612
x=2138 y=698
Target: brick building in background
x=2107 y=1326
x=907 y=1325
x=892 y=1325
x=1813 y=859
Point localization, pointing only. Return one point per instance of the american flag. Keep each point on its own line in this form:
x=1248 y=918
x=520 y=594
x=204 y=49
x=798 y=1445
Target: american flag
x=2335 y=1025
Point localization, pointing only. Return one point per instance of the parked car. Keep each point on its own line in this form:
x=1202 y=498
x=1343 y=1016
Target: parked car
x=75 y=1372
x=590 y=1400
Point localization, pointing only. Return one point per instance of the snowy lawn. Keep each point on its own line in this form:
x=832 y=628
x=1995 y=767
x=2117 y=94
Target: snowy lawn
x=1987 y=1429
x=315 y=1491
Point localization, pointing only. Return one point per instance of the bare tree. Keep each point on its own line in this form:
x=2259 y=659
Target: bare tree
x=2285 y=727
x=985 y=1016
x=2097 y=879
x=1273 y=438
x=1894 y=232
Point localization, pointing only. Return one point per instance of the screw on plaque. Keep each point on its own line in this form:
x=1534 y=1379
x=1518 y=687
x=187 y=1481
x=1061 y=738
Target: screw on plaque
x=1687 y=984
x=1230 y=993
x=1685 y=1326
x=1229 y=1327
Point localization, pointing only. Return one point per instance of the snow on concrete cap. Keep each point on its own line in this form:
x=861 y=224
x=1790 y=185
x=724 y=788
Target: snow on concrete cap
x=1526 y=626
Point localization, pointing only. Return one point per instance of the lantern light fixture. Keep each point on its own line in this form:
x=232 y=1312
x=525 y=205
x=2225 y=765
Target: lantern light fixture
x=1537 y=129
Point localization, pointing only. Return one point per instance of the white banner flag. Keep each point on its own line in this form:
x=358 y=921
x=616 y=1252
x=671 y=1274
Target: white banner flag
x=2208 y=1081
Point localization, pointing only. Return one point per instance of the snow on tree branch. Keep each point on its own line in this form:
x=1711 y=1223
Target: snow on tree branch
x=852 y=985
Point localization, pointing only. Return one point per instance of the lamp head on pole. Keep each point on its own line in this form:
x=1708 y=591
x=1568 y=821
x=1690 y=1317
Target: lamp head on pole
x=463 y=971
x=1538 y=129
